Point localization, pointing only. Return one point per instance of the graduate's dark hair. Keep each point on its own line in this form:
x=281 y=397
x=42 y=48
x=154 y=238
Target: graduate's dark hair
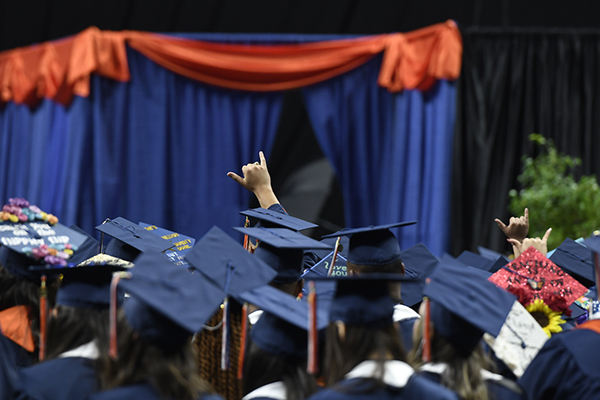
x=15 y=291
x=360 y=343
x=463 y=373
x=71 y=327
x=262 y=368
x=395 y=267
x=172 y=372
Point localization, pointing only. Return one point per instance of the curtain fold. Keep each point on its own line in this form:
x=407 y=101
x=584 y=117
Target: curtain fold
x=516 y=82
x=156 y=149
x=392 y=152
x=58 y=70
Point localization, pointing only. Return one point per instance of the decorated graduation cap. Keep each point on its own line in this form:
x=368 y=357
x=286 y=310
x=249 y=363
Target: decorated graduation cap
x=130 y=239
x=576 y=260
x=282 y=330
x=538 y=282
x=282 y=249
x=37 y=244
x=166 y=305
x=275 y=219
x=87 y=284
x=180 y=244
x=372 y=245
x=463 y=305
x=519 y=339
x=86 y=250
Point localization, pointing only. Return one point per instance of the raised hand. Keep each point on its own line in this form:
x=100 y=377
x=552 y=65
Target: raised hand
x=517 y=226
x=256 y=179
x=540 y=245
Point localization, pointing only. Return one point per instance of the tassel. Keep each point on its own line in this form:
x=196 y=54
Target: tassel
x=334 y=258
x=246 y=238
x=242 y=356
x=313 y=339
x=426 y=330
x=225 y=337
x=113 y=349
x=43 y=316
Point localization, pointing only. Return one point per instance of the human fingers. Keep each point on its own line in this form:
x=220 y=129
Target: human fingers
x=500 y=224
x=263 y=160
x=235 y=177
x=547 y=235
x=526 y=215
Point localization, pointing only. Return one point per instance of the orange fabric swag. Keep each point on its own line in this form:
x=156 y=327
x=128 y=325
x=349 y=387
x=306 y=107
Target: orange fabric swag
x=60 y=69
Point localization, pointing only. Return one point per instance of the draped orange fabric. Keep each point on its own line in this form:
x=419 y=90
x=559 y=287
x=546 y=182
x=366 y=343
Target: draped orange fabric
x=60 y=69
x=15 y=325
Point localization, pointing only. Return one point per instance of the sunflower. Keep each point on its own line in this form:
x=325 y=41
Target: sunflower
x=549 y=320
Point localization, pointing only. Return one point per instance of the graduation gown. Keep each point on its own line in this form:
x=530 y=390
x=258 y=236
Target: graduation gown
x=567 y=367
x=401 y=383
x=71 y=376
x=139 y=391
x=406 y=318
x=499 y=387
x=16 y=347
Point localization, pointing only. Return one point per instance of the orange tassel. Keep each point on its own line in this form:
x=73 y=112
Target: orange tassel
x=313 y=339
x=246 y=239
x=426 y=330
x=242 y=356
x=43 y=316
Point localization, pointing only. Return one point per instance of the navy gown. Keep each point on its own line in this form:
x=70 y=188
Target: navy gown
x=68 y=378
x=567 y=367
x=143 y=391
x=498 y=389
x=12 y=358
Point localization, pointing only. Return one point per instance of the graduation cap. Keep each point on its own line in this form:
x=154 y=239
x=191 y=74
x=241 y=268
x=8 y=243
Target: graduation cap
x=519 y=340
x=130 y=239
x=166 y=305
x=534 y=276
x=488 y=253
x=464 y=305
x=181 y=244
x=576 y=260
x=482 y=263
x=282 y=330
x=275 y=219
x=322 y=267
x=419 y=264
x=224 y=261
x=87 y=284
x=37 y=244
x=87 y=249
x=372 y=245
x=363 y=299
x=282 y=249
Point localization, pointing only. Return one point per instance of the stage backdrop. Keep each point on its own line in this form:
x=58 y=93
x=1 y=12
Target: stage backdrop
x=157 y=146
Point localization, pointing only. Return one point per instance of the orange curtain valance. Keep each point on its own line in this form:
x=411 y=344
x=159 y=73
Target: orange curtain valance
x=60 y=69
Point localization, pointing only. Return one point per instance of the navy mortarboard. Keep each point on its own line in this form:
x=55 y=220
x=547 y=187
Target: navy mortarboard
x=88 y=248
x=36 y=243
x=282 y=249
x=167 y=305
x=419 y=264
x=275 y=219
x=282 y=328
x=130 y=239
x=372 y=245
x=576 y=260
x=181 y=244
x=464 y=305
x=225 y=262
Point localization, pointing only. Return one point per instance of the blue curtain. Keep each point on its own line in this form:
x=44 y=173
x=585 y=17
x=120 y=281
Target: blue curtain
x=157 y=149
x=391 y=152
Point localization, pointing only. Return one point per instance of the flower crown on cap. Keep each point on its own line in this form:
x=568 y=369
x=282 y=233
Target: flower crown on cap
x=19 y=210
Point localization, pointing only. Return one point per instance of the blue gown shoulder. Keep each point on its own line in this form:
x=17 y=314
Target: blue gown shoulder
x=68 y=378
x=12 y=358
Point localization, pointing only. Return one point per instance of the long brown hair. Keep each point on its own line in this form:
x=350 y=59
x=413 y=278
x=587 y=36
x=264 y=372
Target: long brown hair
x=172 y=372
x=463 y=372
x=71 y=327
x=359 y=344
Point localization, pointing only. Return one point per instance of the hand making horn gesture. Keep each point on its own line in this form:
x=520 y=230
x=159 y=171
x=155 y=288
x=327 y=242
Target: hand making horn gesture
x=540 y=245
x=257 y=180
x=517 y=226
